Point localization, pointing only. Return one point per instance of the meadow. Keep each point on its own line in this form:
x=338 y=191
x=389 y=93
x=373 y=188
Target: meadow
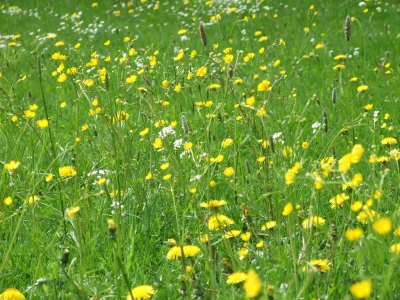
x=242 y=149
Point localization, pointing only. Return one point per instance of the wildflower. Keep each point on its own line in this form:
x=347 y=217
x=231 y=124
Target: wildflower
x=180 y=55
x=12 y=294
x=144 y=132
x=252 y=284
x=213 y=204
x=339 y=67
x=383 y=226
x=214 y=86
x=12 y=165
x=287 y=152
x=236 y=278
x=157 y=143
x=368 y=215
x=338 y=200
x=290 y=175
x=268 y=225
x=29 y=114
x=177 y=88
x=228 y=58
x=42 y=123
x=204 y=238
x=353 y=235
x=322 y=265
x=340 y=57
x=304 y=145
x=287 y=210
x=245 y=236
x=313 y=221
x=243 y=253
x=141 y=292
x=260 y=244
x=7 y=201
x=131 y=79
x=362 y=88
x=202 y=71
x=219 y=221
x=250 y=101
x=149 y=176
x=229 y=171
x=356 y=206
x=389 y=141
x=67 y=171
x=72 y=211
x=227 y=143
x=32 y=199
x=395 y=248
x=362 y=289
x=167 y=177
x=231 y=234
x=190 y=250
x=264 y=86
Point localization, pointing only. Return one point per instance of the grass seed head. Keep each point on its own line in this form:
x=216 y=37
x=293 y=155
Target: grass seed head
x=203 y=35
x=347 y=28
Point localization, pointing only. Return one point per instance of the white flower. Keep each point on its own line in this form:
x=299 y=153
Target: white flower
x=166 y=131
x=178 y=144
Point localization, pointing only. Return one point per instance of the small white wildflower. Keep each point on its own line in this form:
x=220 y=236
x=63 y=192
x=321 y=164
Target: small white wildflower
x=178 y=144
x=166 y=131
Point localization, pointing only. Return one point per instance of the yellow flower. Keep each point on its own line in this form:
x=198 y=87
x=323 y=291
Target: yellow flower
x=49 y=177
x=227 y=143
x=395 y=248
x=12 y=294
x=29 y=114
x=180 y=55
x=188 y=146
x=72 y=211
x=322 y=265
x=7 y=201
x=383 y=226
x=164 y=166
x=287 y=210
x=319 y=46
x=228 y=58
x=229 y=171
x=389 y=141
x=252 y=284
x=245 y=236
x=353 y=235
x=149 y=176
x=219 y=221
x=304 y=145
x=362 y=88
x=313 y=221
x=368 y=107
x=167 y=177
x=67 y=171
x=362 y=289
x=158 y=143
x=231 y=234
x=339 y=67
x=42 y=123
x=338 y=200
x=12 y=165
x=268 y=225
x=178 y=88
x=251 y=101
x=340 y=57
x=144 y=132
x=131 y=79
x=213 y=203
x=264 y=86
x=214 y=86
x=202 y=71
x=236 y=277
x=141 y=292
x=165 y=83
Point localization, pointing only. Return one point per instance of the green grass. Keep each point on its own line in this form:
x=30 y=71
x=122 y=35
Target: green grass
x=113 y=155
